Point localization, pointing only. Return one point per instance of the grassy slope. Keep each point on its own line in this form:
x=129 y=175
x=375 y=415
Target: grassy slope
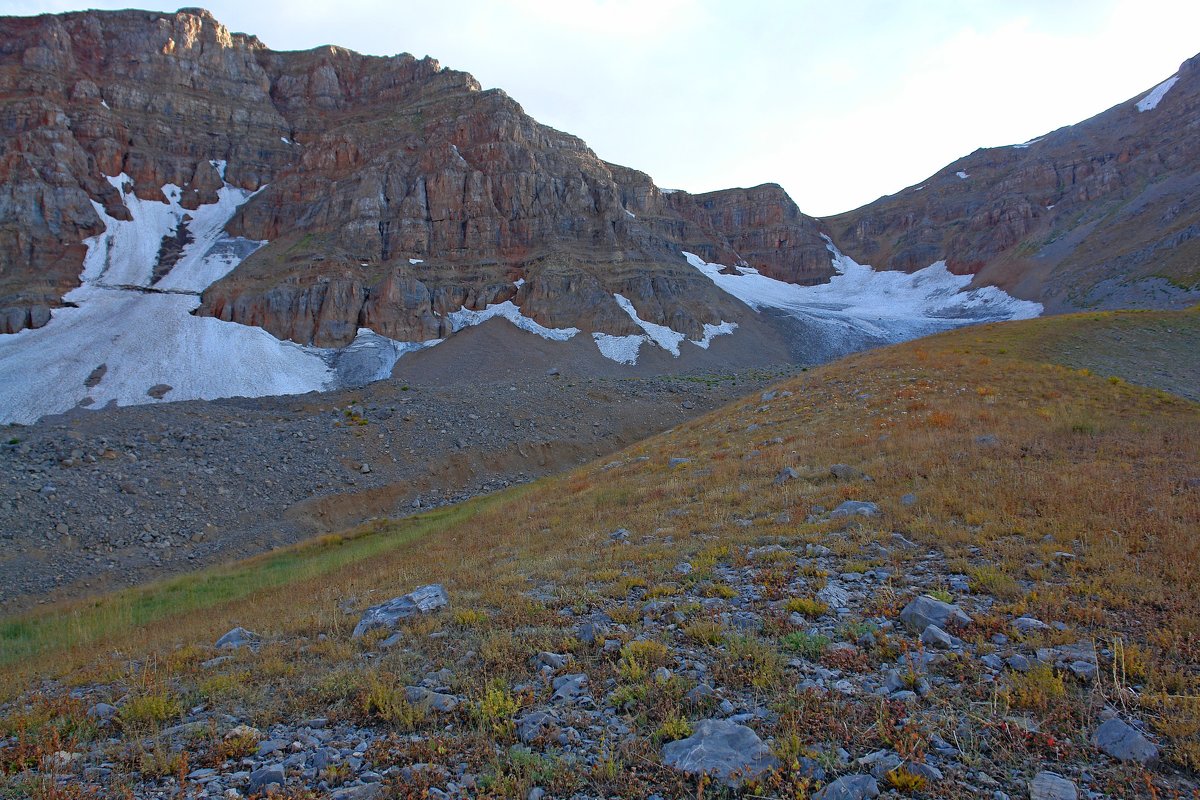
x=1070 y=462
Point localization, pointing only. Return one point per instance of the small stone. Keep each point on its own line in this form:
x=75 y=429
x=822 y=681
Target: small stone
x=1051 y=786
x=850 y=787
x=678 y=462
x=365 y=469
x=1124 y=742
x=909 y=499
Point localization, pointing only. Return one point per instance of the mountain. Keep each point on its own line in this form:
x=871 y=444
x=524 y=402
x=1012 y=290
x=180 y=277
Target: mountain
x=198 y=216
x=1099 y=214
x=368 y=163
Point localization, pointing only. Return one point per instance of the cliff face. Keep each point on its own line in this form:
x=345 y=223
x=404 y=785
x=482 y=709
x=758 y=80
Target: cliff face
x=1102 y=213
x=395 y=191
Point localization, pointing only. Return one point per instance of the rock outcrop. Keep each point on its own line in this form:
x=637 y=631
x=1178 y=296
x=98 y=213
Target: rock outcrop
x=393 y=191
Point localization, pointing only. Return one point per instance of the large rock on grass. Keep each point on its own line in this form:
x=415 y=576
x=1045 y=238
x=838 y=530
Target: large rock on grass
x=721 y=749
x=925 y=611
x=386 y=615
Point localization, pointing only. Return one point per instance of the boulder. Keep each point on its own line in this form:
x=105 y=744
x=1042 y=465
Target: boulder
x=855 y=508
x=237 y=638
x=264 y=778
x=1124 y=742
x=419 y=601
x=924 y=611
x=721 y=749
x=1051 y=786
x=850 y=787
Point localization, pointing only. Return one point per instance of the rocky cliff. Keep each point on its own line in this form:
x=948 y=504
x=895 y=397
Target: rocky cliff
x=393 y=191
x=1099 y=214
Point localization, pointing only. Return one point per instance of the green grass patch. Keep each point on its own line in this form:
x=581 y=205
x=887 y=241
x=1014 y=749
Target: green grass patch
x=86 y=623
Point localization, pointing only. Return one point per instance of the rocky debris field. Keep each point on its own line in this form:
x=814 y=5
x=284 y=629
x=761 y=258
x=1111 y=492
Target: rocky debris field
x=91 y=501
x=773 y=669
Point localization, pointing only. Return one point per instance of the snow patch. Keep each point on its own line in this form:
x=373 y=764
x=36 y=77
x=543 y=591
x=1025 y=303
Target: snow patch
x=519 y=282
x=465 y=318
x=285 y=140
x=661 y=335
x=105 y=104
x=1151 y=101
x=712 y=331
x=860 y=303
x=962 y=174
x=631 y=214
x=622 y=349
x=415 y=261
x=1025 y=145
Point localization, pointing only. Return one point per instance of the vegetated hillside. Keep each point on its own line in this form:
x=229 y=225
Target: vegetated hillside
x=599 y=621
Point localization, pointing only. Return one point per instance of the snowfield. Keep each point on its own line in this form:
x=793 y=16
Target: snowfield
x=127 y=335
x=1151 y=101
x=127 y=339
x=860 y=303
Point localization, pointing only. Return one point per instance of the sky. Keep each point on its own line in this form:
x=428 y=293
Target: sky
x=840 y=101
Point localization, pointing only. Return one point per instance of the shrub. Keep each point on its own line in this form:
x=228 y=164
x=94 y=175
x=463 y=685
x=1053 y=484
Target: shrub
x=808 y=606
x=145 y=712
x=494 y=711
x=807 y=645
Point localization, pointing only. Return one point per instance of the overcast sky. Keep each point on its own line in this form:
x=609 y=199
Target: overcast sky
x=839 y=101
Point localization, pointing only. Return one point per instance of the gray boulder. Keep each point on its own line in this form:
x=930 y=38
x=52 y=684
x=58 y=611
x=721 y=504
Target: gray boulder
x=935 y=637
x=263 y=778
x=430 y=700
x=1050 y=786
x=855 y=508
x=850 y=787
x=721 y=749
x=1124 y=742
x=925 y=611
x=785 y=475
x=237 y=638
x=386 y=615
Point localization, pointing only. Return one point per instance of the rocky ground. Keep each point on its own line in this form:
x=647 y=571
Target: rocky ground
x=97 y=500
x=766 y=649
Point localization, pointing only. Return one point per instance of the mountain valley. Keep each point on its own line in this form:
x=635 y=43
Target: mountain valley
x=362 y=437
